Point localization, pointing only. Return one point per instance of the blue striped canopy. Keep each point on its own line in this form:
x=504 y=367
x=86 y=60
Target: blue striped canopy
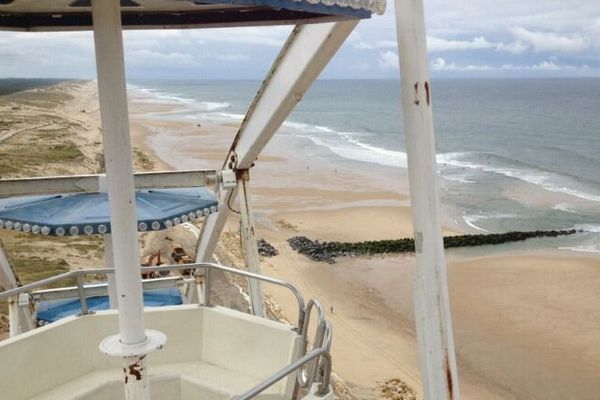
x=60 y=15
x=88 y=213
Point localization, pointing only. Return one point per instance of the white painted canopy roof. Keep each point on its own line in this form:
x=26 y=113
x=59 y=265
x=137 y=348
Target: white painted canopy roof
x=41 y=15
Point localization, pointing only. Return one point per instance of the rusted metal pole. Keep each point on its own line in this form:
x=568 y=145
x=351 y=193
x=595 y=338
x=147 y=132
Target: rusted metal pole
x=432 y=309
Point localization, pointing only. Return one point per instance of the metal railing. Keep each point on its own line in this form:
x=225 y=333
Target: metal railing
x=316 y=354
x=317 y=360
x=207 y=267
x=101 y=289
x=306 y=379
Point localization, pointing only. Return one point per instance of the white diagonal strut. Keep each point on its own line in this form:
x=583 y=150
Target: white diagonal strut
x=21 y=318
x=306 y=52
x=247 y=231
x=432 y=309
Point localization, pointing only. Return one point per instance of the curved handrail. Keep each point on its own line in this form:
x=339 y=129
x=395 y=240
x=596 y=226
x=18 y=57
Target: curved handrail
x=306 y=379
x=323 y=388
x=78 y=274
x=251 y=275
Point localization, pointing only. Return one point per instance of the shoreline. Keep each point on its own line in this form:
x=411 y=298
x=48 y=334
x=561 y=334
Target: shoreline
x=371 y=297
x=514 y=311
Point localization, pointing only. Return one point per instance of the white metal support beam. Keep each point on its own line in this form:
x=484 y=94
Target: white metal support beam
x=8 y=278
x=249 y=242
x=21 y=318
x=119 y=167
x=109 y=262
x=93 y=183
x=432 y=309
x=305 y=54
x=133 y=342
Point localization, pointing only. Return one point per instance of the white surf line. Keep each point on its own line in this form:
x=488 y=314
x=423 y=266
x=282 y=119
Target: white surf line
x=472 y=225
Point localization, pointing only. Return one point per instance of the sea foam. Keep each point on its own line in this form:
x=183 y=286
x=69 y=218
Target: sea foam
x=549 y=181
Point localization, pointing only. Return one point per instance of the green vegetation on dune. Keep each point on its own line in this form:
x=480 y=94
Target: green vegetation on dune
x=38 y=141
x=141 y=159
x=16 y=158
x=32 y=269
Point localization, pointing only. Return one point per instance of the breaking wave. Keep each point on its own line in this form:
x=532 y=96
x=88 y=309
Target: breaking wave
x=550 y=181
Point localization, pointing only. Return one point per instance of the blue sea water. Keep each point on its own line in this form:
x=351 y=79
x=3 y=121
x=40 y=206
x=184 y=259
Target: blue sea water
x=513 y=154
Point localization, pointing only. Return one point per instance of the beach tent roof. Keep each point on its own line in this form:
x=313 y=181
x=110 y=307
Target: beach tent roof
x=88 y=213
x=60 y=15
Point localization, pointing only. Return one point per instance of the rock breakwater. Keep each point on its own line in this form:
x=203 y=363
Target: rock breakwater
x=328 y=251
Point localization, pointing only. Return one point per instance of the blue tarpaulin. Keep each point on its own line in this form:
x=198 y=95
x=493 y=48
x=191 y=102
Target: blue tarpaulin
x=53 y=310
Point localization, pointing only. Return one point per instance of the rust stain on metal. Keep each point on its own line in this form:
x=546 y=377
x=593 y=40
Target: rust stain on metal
x=242 y=174
x=245 y=192
x=416 y=86
x=427 y=93
x=449 y=377
x=135 y=369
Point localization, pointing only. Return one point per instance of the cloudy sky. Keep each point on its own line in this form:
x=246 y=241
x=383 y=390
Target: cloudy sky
x=481 y=38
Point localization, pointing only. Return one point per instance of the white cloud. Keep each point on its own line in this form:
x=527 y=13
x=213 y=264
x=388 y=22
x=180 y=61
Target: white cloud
x=439 y=64
x=437 y=44
x=388 y=60
x=545 y=66
x=270 y=37
x=468 y=35
x=516 y=47
x=379 y=44
x=232 y=57
x=158 y=59
x=550 y=41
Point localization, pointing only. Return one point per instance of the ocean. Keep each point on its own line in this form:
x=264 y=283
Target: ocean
x=513 y=154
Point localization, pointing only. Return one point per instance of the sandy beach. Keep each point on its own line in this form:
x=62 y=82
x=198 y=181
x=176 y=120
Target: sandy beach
x=525 y=323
